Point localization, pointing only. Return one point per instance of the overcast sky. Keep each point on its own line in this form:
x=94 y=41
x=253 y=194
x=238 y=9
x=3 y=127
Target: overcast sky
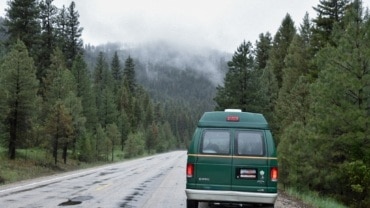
x=219 y=24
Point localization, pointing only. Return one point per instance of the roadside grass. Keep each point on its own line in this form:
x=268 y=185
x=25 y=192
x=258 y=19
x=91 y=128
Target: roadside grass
x=24 y=167
x=313 y=199
x=32 y=163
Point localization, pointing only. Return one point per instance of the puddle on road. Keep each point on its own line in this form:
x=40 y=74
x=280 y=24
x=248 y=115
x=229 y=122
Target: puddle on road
x=75 y=201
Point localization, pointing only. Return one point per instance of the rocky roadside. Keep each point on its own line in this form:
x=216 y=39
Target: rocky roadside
x=286 y=201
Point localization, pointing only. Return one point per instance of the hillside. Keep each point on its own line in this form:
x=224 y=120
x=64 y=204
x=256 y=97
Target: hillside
x=171 y=73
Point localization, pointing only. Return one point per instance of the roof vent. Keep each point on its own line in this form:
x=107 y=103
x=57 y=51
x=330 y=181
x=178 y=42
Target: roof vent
x=233 y=110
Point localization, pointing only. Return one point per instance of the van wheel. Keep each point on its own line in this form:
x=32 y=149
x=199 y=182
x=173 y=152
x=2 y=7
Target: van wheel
x=269 y=206
x=191 y=204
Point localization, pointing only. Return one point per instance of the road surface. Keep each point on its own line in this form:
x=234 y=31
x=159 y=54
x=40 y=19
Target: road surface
x=155 y=181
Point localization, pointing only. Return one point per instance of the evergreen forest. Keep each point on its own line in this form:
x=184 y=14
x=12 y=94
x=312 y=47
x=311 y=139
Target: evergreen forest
x=310 y=79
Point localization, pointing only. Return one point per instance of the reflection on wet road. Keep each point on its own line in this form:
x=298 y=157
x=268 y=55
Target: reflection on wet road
x=155 y=181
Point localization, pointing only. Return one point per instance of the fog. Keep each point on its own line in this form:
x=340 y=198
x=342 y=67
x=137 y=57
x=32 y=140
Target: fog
x=186 y=32
x=217 y=24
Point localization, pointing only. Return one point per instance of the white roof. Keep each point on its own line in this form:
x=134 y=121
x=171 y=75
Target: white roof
x=233 y=110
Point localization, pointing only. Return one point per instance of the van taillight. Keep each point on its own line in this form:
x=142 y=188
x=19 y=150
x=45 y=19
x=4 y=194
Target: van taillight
x=274 y=174
x=189 y=170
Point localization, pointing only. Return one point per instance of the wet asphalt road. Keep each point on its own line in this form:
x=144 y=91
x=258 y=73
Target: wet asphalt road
x=151 y=182
x=155 y=181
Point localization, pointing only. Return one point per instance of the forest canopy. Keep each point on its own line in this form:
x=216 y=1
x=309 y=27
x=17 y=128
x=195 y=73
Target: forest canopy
x=311 y=81
x=313 y=84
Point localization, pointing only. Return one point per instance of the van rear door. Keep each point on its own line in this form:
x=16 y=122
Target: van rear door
x=250 y=164
x=213 y=167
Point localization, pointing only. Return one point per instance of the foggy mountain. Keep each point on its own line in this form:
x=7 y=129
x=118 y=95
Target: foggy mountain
x=171 y=72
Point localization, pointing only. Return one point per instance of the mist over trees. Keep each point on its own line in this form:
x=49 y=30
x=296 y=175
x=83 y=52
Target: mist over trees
x=87 y=102
x=314 y=87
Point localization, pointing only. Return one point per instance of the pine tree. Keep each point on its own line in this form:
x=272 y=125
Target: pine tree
x=22 y=22
x=108 y=111
x=59 y=127
x=152 y=137
x=20 y=86
x=288 y=105
x=100 y=139
x=85 y=92
x=330 y=12
x=68 y=33
x=74 y=46
x=291 y=112
x=113 y=135
x=103 y=85
x=61 y=29
x=74 y=106
x=263 y=46
x=135 y=144
x=237 y=92
x=124 y=127
x=341 y=107
x=272 y=75
x=281 y=42
x=59 y=81
x=129 y=77
x=262 y=54
x=60 y=93
x=101 y=73
x=116 y=68
x=48 y=15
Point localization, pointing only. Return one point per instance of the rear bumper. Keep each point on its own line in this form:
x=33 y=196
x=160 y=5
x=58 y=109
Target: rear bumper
x=231 y=196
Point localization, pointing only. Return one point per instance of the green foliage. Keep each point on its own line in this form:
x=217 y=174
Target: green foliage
x=166 y=138
x=330 y=13
x=71 y=35
x=340 y=100
x=73 y=104
x=313 y=87
x=89 y=115
x=129 y=75
x=263 y=46
x=85 y=92
x=317 y=97
x=134 y=145
x=113 y=135
x=237 y=91
x=271 y=80
x=295 y=87
x=19 y=85
x=59 y=128
x=355 y=177
x=21 y=20
x=86 y=150
x=281 y=43
x=123 y=127
x=100 y=143
x=295 y=169
x=48 y=14
x=152 y=137
x=117 y=72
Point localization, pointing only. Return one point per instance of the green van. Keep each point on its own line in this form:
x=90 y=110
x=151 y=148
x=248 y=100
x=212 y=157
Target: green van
x=232 y=160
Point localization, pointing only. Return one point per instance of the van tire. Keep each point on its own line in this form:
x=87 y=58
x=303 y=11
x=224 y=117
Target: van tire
x=269 y=206
x=191 y=204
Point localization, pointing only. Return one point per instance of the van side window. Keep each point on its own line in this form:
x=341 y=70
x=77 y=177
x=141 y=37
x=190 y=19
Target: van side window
x=216 y=142
x=249 y=143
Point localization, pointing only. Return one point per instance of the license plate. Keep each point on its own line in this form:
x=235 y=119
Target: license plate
x=248 y=173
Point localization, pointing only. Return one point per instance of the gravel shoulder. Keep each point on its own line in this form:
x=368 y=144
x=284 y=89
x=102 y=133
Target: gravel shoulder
x=286 y=201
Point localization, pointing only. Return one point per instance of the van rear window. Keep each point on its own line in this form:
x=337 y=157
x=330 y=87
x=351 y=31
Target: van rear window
x=216 y=142
x=249 y=143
